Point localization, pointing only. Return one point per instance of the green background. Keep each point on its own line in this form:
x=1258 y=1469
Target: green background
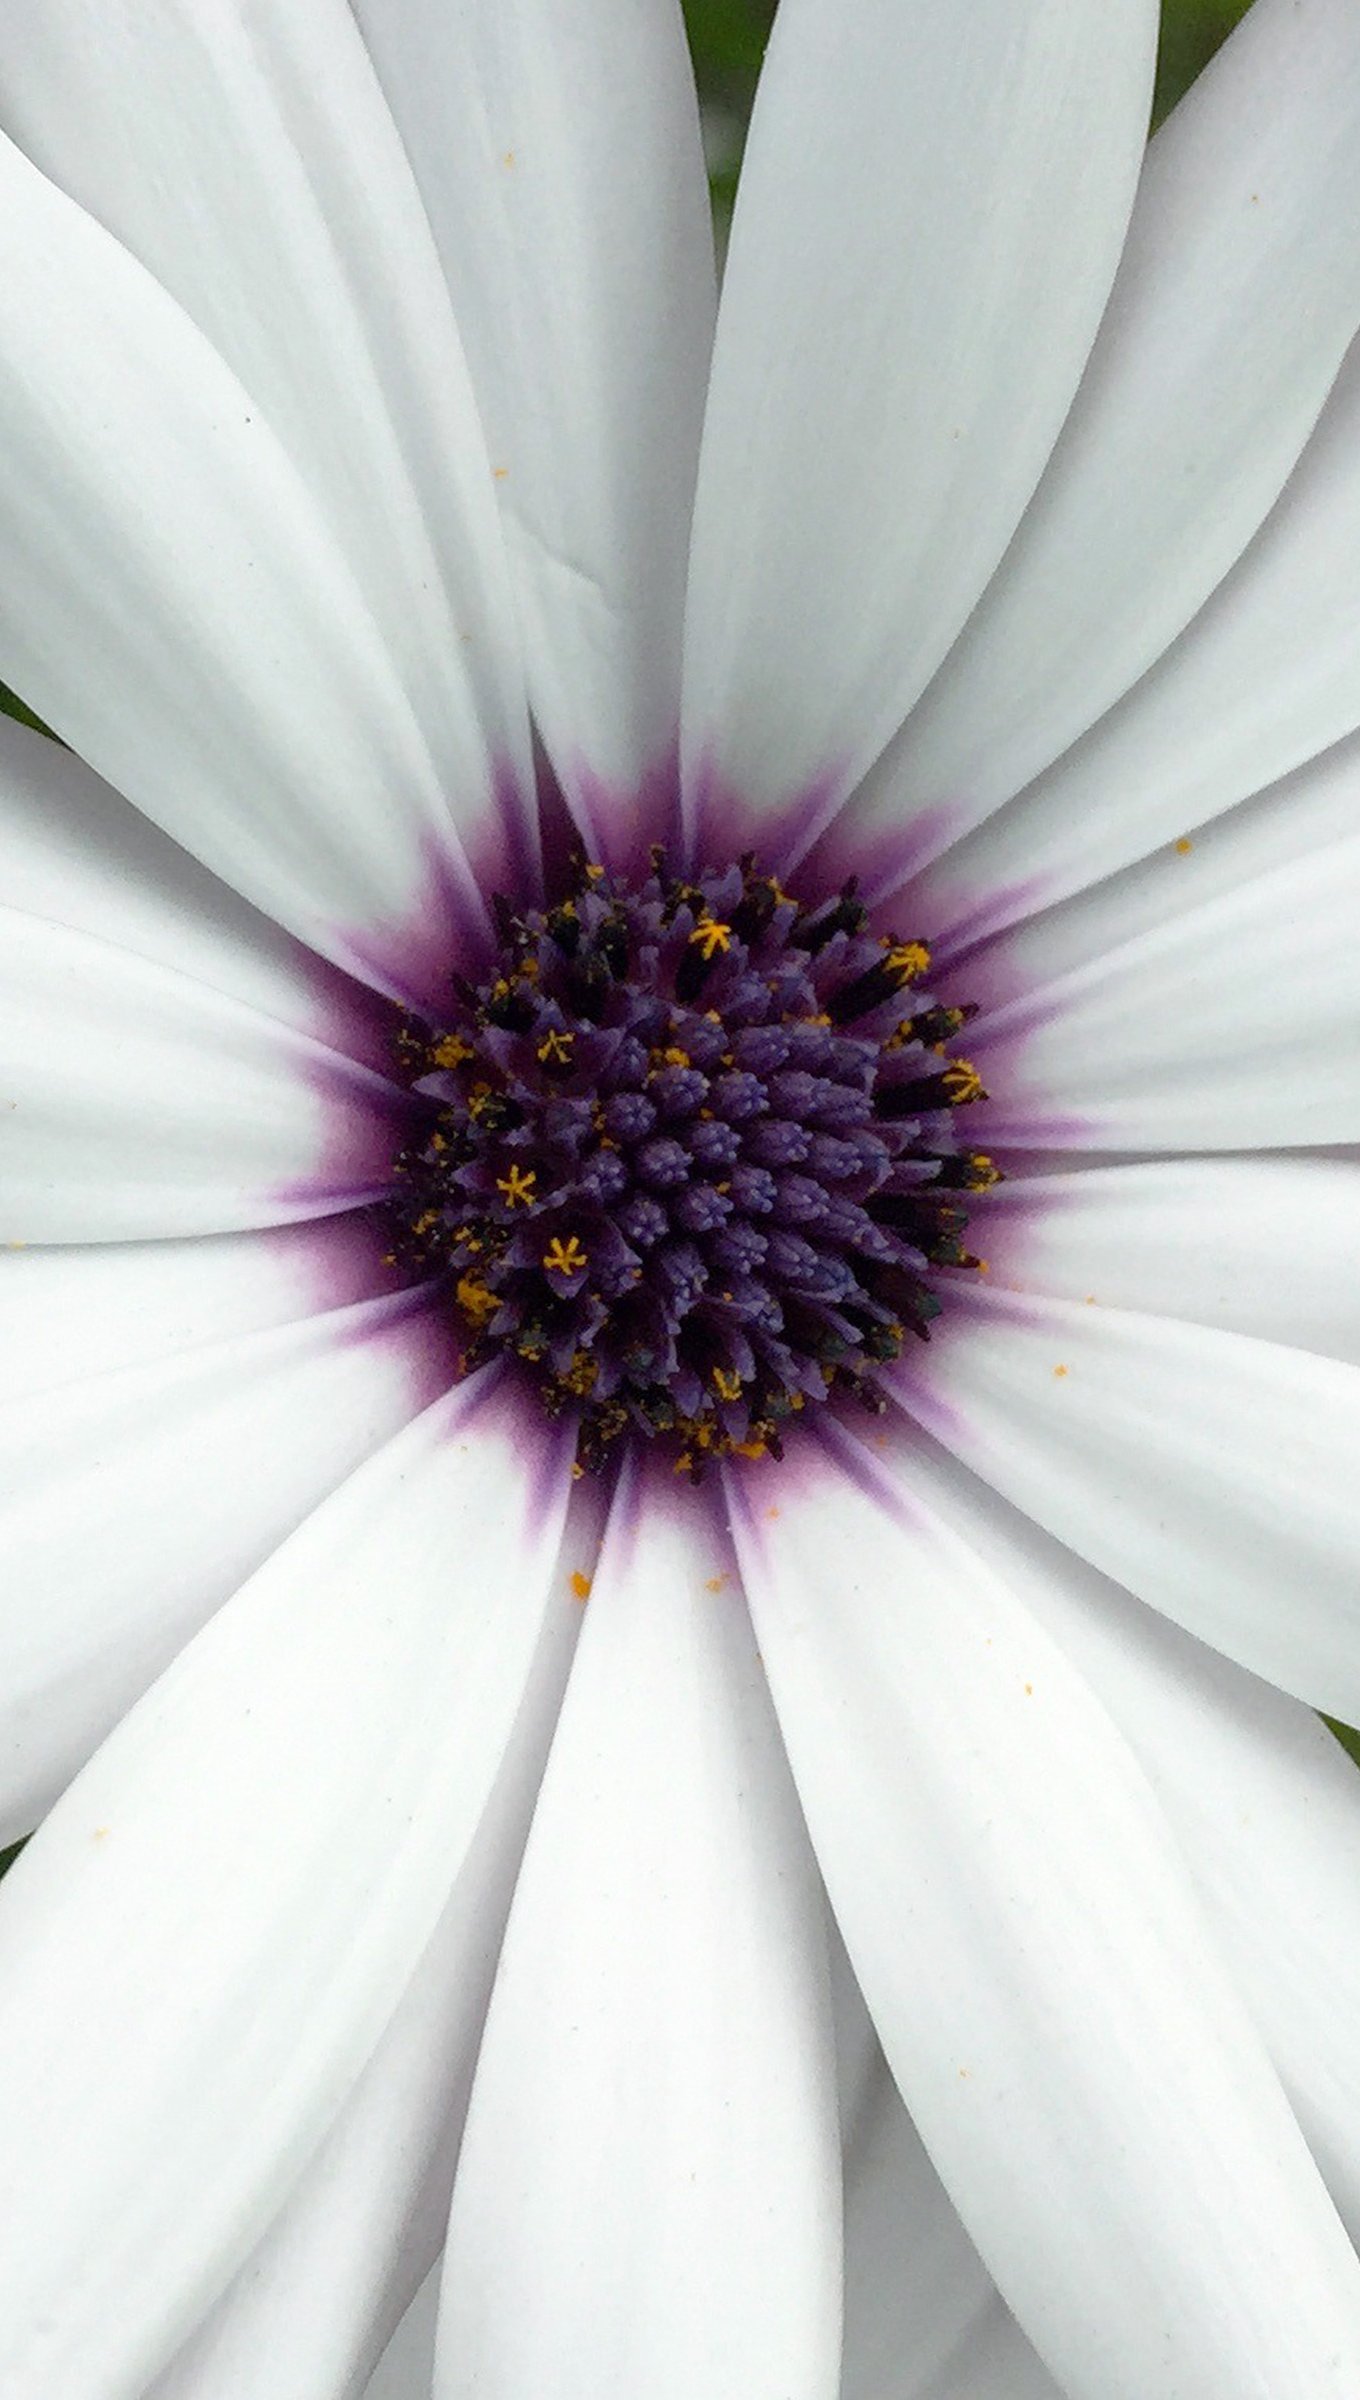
x=728 y=39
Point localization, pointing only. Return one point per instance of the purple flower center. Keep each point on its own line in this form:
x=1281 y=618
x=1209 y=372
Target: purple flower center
x=691 y=1156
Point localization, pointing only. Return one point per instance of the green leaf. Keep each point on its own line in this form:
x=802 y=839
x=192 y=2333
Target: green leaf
x=12 y=706
x=1191 y=32
x=1347 y=1736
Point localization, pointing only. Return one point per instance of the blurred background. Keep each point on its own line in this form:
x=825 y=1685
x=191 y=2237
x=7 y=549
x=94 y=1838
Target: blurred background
x=728 y=39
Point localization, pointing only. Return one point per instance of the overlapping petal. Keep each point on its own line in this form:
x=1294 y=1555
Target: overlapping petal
x=135 y=1501
x=209 y=1934
x=648 y=2197
x=176 y=605
x=1208 y=1472
x=297 y=243
x=557 y=151
x=930 y=216
x=1075 y=2057
x=313 y=2306
x=1237 y=295
x=135 y=1102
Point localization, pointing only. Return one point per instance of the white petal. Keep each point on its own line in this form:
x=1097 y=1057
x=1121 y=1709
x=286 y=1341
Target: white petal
x=135 y=1102
x=923 y=2318
x=1237 y=294
x=211 y=1931
x=558 y=153
x=1264 y=1802
x=310 y=2311
x=67 y=1313
x=406 y=2369
x=913 y=2281
x=77 y=852
x=1234 y=1024
x=1309 y=814
x=648 y=2197
x=930 y=216
x=1267 y=676
x=1077 y=2062
x=133 y=1504
x=176 y=606
x=1210 y=1473
x=249 y=161
x=1254 y=1245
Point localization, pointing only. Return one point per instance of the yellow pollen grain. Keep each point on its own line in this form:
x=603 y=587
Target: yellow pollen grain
x=907 y=960
x=711 y=937
x=474 y=1299
x=962 y=1082
x=451 y=1050
x=500 y=473
x=716 y=1583
x=580 y=1584
x=754 y=1450
x=675 y=1057
x=594 y=873
x=727 y=1383
x=565 y=1258
x=1060 y=1371
x=1184 y=845
x=517 y=1185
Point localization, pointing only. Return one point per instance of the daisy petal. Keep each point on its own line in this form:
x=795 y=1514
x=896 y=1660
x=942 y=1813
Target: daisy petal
x=176 y=607
x=77 y=852
x=1076 y=2060
x=923 y=2318
x=558 y=153
x=406 y=2369
x=648 y=2197
x=1075 y=1414
x=297 y=243
x=138 y=1103
x=68 y=1313
x=1254 y=1245
x=1266 y=676
x=1232 y=1025
x=882 y=406
x=209 y=1934
x=313 y=2306
x=1265 y=1803
x=1237 y=294
x=135 y=1503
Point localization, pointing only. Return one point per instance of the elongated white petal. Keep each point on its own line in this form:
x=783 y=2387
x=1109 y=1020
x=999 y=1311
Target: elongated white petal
x=1311 y=813
x=913 y=2281
x=1264 y=1802
x=1233 y=1025
x=68 y=1312
x=249 y=161
x=1236 y=297
x=648 y=2197
x=1207 y=1471
x=133 y=1504
x=406 y=2369
x=923 y=2318
x=1083 y=2073
x=135 y=1102
x=1254 y=1245
x=312 y=2308
x=931 y=213
x=1265 y=677
x=176 y=606
x=208 y=1936
x=77 y=852
x=558 y=153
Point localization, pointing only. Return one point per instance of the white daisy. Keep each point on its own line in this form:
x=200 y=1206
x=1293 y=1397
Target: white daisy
x=377 y=506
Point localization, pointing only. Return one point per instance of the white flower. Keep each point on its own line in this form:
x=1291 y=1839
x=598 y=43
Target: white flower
x=353 y=371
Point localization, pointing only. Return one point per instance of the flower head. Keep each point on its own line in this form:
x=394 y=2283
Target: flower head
x=774 y=903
